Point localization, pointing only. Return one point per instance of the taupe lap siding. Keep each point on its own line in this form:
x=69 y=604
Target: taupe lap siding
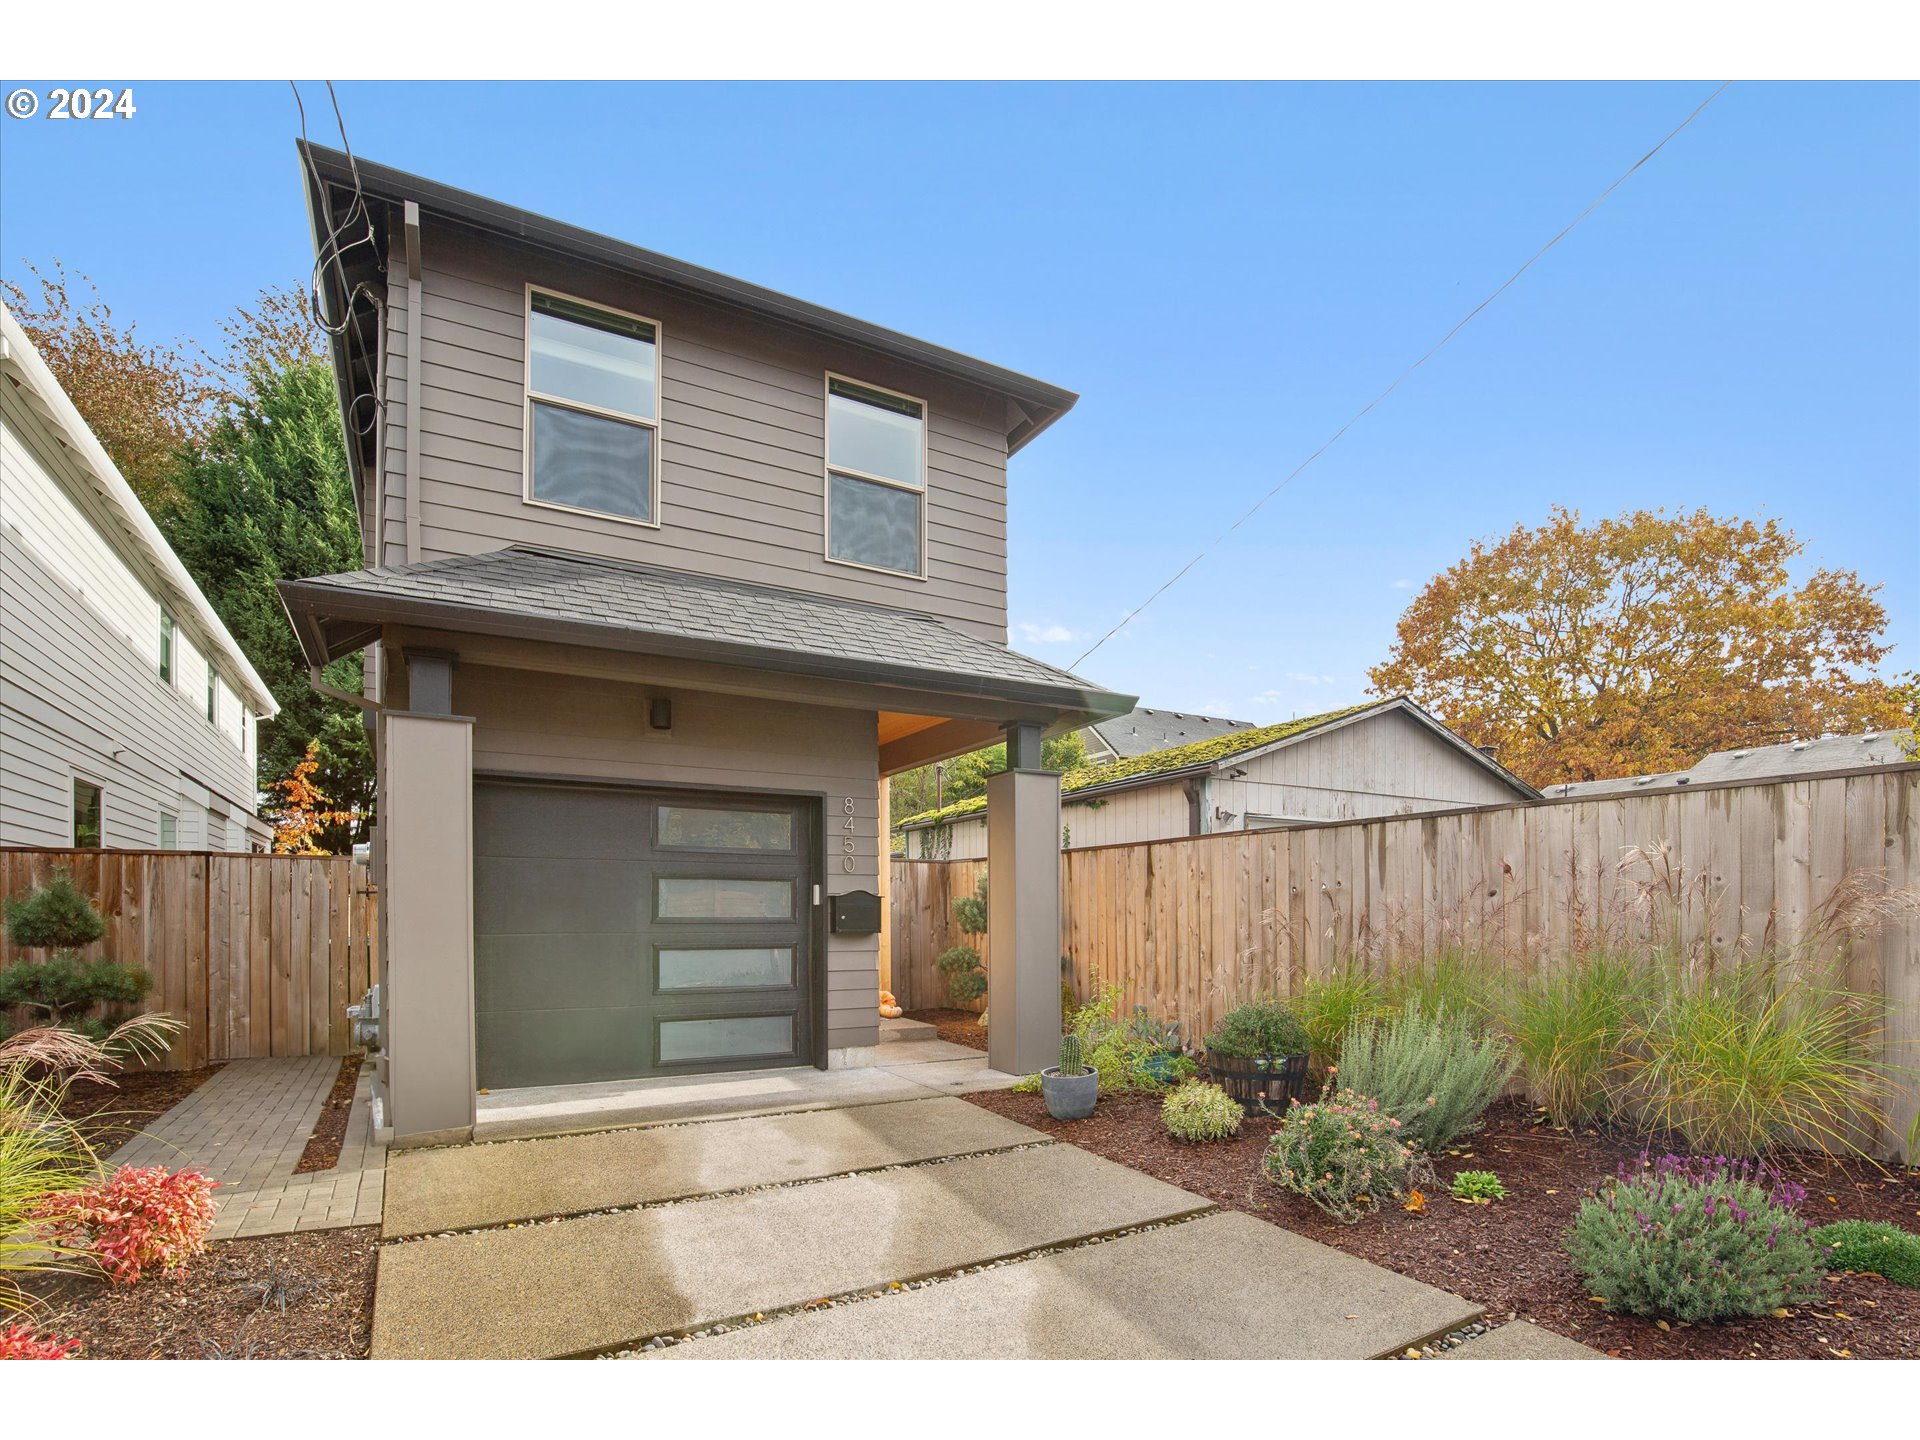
x=742 y=443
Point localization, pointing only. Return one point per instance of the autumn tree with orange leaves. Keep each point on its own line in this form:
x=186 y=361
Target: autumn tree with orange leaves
x=301 y=812
x=1639 y=644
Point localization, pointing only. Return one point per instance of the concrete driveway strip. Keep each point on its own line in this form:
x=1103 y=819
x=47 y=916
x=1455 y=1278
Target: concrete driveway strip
x=1223 y=1287
x=577 y=1286
x=473 y=1185
x=1521 y=1340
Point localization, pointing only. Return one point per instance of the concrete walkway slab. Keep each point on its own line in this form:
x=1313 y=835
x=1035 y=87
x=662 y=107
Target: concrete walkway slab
x=594 y=1283
x=1222 y=1287
x=899 y=1028
x=474 y=1185
x=892 y=1054
x=1521 y=1340
x=954 y=1077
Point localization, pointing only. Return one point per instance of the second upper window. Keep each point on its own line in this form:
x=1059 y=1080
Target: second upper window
x=876 y=477
x=593 y=409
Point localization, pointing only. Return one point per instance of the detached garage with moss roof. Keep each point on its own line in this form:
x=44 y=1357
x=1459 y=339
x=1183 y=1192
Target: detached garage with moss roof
x=1387 y=757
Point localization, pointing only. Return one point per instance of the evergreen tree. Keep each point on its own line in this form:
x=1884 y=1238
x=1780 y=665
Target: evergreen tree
x=268 y=497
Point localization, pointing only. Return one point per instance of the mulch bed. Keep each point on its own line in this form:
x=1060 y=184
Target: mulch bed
x=956 y=1027
x=1507 y=1256
x=322 y=1150
x=212 y=1310
x=111 y=1115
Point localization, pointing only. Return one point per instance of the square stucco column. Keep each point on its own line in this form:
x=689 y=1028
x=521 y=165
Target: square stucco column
x=1023 y=920
x=426 y=906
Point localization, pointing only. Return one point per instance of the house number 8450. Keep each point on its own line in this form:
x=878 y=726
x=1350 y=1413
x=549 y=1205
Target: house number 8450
x=847 y=847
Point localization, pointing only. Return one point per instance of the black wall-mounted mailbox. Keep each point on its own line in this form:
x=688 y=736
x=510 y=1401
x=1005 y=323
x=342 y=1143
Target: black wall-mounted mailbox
x=855 y=913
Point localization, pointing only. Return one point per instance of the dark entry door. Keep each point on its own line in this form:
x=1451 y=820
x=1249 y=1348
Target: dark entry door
x=622 y=933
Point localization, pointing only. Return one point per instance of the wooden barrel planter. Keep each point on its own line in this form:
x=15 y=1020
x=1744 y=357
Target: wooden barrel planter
x=1278 y=1080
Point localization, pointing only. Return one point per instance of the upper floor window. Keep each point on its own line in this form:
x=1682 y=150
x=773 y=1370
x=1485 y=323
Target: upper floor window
x=593 y=409
x=876 y=477
x=166 y=644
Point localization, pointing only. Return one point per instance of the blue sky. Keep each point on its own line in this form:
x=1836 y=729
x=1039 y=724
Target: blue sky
x=1225 y=273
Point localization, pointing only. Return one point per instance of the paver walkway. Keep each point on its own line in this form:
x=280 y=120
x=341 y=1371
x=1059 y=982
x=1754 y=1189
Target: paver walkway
x=1028 y=1248
x=246 y=1128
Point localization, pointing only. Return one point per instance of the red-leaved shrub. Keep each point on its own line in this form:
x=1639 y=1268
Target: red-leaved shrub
x=144 y=1216
x=17 y=1342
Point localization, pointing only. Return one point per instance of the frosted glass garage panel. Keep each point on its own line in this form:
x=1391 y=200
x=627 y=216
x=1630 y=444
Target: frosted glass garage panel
x=693 y=828
x=739 y=968
x=733 y=1037
x=724 y=898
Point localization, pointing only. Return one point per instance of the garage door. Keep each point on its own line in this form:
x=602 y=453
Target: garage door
x=622 y=933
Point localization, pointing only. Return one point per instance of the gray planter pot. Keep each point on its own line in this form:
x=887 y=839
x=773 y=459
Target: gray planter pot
x=1069 y=1097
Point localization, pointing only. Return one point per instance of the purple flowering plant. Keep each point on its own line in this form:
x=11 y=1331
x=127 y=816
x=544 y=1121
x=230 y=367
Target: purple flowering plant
x=1697 y=1238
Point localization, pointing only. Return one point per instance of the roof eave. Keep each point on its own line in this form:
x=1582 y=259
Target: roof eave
x=313 y=607
x=573 y=242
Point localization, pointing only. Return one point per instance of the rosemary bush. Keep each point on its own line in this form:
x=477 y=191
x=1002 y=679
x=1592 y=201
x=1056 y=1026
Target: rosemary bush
x=1432 y=1071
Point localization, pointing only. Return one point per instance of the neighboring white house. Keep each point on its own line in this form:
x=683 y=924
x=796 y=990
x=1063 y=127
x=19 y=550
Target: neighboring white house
x=1795 y=760
x=1385 y=758
x=127 y=712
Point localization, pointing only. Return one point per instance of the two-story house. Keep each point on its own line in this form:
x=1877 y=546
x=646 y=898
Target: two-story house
x=664 y=572
x=127 y=711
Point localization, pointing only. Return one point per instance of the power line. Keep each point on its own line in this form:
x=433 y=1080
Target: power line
x=1364 y=410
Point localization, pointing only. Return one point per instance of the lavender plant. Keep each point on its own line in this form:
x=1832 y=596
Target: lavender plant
x=1695 y=1238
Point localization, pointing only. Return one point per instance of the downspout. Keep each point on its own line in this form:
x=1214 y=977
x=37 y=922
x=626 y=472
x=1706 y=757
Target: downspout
x=416 y=342
x=1196 y=787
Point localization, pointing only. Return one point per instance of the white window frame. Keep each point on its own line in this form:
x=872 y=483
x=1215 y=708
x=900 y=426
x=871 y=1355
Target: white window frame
x=531 y=395
x=828 y=470
x=81 y=777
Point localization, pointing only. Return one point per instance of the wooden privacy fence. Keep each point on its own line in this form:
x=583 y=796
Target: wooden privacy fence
x=258 y=954
x=1191 y=927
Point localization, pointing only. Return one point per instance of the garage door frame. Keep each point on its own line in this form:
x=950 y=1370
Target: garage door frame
x=810 y=808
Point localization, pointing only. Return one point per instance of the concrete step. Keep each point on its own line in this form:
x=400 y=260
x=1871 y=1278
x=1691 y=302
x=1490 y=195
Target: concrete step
x=466 y=1186
x=1222 y=1287
x=899 y=1028
x=1521 y=1340
x=579 y=1286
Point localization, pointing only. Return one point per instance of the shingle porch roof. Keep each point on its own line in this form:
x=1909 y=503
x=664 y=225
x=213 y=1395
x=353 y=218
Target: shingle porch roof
x=531 y=592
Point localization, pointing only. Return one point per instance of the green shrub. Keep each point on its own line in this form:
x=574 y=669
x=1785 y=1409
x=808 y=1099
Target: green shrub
x=1333 y=1004
x=1198 y=1111
x=54 y=917
x=1872 y=1245
x=1478 y=1187
x=1695 y=1240
x=1432 y=1071
x=1343 y=1153
x=1569 y=1029
x=1126 y=1059
x=961 y=964
x=1260 y=1027
x=1026 y=1084
x=1741 y=1060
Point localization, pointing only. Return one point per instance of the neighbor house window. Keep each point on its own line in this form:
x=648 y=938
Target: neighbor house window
x=876 y=477
x=593 y=409
x=166 y=645
x=169 y=830
x=86 y=815
x=213 y=695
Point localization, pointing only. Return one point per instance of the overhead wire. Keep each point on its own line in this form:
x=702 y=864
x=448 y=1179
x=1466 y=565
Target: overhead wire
x=1366 y=409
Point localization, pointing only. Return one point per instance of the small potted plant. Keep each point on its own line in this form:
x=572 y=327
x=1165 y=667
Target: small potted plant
x=1070 y=1088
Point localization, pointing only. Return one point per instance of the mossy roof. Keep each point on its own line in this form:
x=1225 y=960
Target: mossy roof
x=1178 y=758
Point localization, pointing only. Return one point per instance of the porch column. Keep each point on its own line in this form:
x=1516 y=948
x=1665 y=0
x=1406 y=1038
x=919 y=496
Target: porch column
x=426 y=907
x=1023 y=910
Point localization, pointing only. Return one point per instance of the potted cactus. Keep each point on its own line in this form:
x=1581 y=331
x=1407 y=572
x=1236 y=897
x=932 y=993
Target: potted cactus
x=1070 y=1088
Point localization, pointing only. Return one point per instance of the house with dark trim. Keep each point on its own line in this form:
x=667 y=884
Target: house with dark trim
x=1387 y=757
x=664 y=573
